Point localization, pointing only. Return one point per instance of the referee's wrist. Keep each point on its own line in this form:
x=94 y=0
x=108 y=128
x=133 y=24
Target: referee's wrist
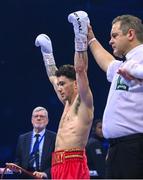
x=91 y=41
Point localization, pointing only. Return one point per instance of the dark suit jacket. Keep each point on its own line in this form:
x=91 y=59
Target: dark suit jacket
x=96 y=156
x=23 y=151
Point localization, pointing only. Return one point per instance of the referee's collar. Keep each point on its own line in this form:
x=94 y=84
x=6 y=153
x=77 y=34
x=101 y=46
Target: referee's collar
x=133 y=51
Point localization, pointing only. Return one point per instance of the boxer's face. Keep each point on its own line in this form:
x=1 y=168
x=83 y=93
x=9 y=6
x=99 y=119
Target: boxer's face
x=66 y=88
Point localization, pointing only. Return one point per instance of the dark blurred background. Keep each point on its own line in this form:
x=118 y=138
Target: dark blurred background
x=23 y=80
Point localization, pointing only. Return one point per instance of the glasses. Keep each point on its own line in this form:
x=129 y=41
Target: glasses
x=41 y=116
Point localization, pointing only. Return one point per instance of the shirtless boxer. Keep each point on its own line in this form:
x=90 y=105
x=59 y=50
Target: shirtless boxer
x=72 y=87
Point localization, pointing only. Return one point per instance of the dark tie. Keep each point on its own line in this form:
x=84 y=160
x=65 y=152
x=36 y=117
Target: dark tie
x=34 y=156
x=37 y=151
x=124 y=58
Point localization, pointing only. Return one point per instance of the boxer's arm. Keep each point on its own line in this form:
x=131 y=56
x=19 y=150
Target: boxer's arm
x=81 y=64
x=44 y=42
x=80 y=22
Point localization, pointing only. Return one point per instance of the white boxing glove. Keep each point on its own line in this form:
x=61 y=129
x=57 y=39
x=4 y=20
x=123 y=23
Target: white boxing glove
x=80 y=23
x=45 y=43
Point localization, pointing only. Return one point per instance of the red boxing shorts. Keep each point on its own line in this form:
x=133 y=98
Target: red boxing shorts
x=69 y=164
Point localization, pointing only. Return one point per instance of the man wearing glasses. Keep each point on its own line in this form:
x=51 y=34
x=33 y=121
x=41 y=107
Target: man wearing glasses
x=34 y=148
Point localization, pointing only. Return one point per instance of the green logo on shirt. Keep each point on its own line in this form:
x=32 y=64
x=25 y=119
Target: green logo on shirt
x=121 y=85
